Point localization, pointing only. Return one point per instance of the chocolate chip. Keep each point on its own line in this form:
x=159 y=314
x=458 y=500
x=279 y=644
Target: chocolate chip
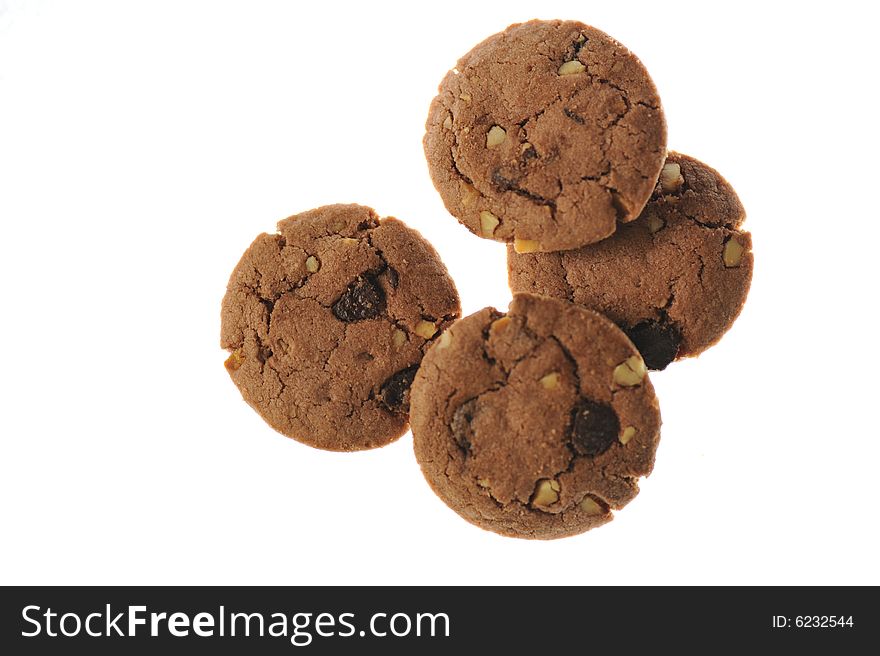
x=394 y=392
x=657 y=342
x=505 y=178
x=594 y=427
x=575 y=48
x=264 y=354
x=462 y=432
x=528 y=154
x=574 y=117
x=363 y=299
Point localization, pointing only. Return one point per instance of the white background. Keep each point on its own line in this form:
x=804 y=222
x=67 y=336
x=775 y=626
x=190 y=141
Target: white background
x=143 y=145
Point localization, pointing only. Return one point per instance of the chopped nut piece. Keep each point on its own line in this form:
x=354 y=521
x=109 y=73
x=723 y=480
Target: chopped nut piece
x=671 y=178
x=500 y=324
x=312 y=264
x=526 y=145
x=550 y=381
x=525 y=245
x=495 y=136
x=445 y=340
x=627 y=434
x=233 y=362
x=466 y=129
x=488 y=223
x=655 y=223
x=483 y=482
x=398 y=337
x=546 y=492
x=447 y=122
x=589 y=506
x=465 y=96
x=733 y=252
x=571 y=68
x=630 y=372
x=468 y=194
x=425 y=329
x=349 y=241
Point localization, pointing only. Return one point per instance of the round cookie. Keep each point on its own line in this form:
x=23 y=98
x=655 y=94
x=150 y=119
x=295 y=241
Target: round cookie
x=675 y=280
x=546 y=135
x=537 y=423
x=327 y=321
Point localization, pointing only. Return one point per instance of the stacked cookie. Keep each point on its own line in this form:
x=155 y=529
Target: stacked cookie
x=622 y=257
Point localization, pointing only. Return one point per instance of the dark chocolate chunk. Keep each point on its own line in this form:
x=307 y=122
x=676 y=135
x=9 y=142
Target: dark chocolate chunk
x=505 y=178
x=579 y=43
x=394 y=393
x=573 y=116
x=363 y=299
x=657 y=342
x=462 y=432
x=528 y=154
x=594 y=427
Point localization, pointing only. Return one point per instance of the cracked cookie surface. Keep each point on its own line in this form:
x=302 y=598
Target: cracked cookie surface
x=675 y=279
x=546 y=135
x=326 y=324
x=523 y=424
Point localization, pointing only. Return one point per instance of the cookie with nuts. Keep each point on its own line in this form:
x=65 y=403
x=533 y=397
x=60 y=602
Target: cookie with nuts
x=327 y=321
x=536 y=423
x=675 y=279
x=547 y=136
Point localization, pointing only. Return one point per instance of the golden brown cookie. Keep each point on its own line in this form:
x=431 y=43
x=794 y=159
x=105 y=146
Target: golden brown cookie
x=327 y=321
x=675 y=280
x=546 y=135
x=537 y=423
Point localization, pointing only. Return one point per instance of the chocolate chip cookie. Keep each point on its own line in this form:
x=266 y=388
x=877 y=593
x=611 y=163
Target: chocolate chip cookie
x=327 y=321
x=546 y=135
x=537 y=423
x=675 y=280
